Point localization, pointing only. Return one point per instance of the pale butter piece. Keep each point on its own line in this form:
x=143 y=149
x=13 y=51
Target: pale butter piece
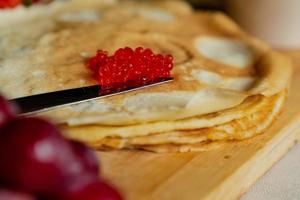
x=207 y=77
x=240 y=84
x=216 y=80
x=80 y=16
x=213 y=99
x=227 y=51
x=156 y=14
x=157 y=101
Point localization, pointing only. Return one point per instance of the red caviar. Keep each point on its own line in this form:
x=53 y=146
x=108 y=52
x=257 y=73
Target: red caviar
x=129 y=68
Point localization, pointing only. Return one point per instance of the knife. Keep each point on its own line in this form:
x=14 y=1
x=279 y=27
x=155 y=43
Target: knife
x=48 y=101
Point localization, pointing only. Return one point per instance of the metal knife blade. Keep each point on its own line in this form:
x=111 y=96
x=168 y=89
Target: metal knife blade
x=48 y=101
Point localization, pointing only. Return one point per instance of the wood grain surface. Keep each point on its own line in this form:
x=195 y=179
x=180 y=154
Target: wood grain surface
x=225 y=173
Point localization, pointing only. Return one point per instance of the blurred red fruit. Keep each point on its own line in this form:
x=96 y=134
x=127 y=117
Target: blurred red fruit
x=6 y=194
x=9 y=3
x=7 y=110
x=90 y=189
x=35 y=157
x=87 y=157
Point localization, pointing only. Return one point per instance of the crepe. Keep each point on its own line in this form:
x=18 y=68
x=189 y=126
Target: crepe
x=248 y=119
x=222 y=76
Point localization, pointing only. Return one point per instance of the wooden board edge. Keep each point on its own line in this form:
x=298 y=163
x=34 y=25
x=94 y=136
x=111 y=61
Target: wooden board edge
x=258 y=165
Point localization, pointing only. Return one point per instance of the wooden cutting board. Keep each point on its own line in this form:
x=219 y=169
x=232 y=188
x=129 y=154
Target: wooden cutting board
x=225 y=173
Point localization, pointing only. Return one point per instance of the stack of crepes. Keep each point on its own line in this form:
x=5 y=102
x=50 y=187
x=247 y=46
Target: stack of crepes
x=228 y=85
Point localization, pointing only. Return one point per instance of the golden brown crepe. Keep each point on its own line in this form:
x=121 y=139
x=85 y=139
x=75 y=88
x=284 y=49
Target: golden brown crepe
x=228 y=85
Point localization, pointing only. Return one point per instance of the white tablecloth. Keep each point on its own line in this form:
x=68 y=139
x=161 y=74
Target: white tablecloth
x=282 y=182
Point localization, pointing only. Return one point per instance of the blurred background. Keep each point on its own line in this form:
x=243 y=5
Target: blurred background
x=275 y=21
